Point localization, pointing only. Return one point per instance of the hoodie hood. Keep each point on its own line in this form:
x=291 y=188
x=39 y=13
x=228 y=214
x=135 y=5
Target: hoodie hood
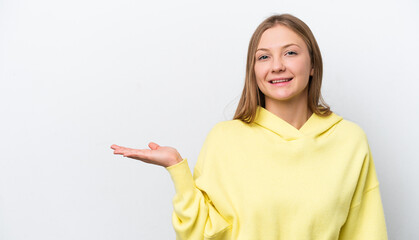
x=316 y=125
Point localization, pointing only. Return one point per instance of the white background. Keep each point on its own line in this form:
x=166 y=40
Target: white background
x=78 y=76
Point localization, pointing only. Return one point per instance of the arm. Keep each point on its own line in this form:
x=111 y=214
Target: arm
x=366 y=215
x=195 y=217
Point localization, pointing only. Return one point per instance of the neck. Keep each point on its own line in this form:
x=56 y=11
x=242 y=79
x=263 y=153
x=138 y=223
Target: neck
x=296 y=111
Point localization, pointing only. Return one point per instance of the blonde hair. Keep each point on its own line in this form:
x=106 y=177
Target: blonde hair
x=252 y=96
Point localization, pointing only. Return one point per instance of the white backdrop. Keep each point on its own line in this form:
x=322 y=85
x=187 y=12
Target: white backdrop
x=78 y=76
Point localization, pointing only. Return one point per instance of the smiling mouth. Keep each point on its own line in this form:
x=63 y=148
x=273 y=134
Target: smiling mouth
x=280 y=80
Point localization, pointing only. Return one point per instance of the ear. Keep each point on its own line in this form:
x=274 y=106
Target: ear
x=312 y=72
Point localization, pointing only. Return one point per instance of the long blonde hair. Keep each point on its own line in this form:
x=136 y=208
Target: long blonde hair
x=252 y=96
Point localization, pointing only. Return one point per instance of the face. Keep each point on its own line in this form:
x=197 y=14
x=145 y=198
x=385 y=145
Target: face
x=282 y=66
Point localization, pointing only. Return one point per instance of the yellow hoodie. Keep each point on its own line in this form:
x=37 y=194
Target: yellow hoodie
x=269 y=181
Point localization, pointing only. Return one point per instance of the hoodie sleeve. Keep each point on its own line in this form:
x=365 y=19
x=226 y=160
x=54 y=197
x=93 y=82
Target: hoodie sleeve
x=194 y=215
x=365 y=218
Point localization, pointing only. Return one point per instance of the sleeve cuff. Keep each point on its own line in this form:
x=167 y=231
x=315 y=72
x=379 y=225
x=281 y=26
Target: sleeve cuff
x=181 y=176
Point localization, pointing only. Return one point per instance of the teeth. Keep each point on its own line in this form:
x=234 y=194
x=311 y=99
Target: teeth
x=282 y=80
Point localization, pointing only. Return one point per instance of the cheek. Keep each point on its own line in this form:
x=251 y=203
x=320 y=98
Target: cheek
x=301 y=68
x=260 y=71
x=259 y=74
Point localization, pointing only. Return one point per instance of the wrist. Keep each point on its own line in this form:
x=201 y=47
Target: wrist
x=175 y=161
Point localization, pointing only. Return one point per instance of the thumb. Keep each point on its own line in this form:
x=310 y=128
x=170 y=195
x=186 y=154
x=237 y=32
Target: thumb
x=153 y=145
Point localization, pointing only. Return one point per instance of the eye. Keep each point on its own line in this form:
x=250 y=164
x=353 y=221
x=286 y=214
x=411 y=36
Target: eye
x=291 y=53
x=262 y=57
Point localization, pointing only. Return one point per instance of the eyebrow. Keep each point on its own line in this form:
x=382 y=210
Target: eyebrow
x=285 y=46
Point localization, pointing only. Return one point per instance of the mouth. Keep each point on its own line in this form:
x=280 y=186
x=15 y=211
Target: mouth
x=280 y=80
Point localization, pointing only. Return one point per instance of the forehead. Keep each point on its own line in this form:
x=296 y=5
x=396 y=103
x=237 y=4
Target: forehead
x=278 y=36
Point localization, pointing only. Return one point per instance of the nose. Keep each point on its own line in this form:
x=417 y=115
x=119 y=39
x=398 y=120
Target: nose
x=277 y=65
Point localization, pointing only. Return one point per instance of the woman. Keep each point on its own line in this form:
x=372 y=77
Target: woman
x=286 y=166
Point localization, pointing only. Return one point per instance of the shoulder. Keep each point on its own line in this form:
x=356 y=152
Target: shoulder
x=351 y=131
x=229 y=125
x=351 y=128
x=226 y=129
x=220 y=134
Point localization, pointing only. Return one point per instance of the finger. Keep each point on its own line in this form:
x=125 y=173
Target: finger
x=137 y=154
x=118 y=151
x=121 y=150
x=114 y=146
x=127 y=151
x=153 y=145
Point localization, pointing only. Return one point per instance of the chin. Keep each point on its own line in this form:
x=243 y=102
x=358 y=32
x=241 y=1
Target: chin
x=282 y=97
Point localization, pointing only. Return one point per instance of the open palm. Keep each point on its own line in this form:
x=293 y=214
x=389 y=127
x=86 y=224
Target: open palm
x=159 y=155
